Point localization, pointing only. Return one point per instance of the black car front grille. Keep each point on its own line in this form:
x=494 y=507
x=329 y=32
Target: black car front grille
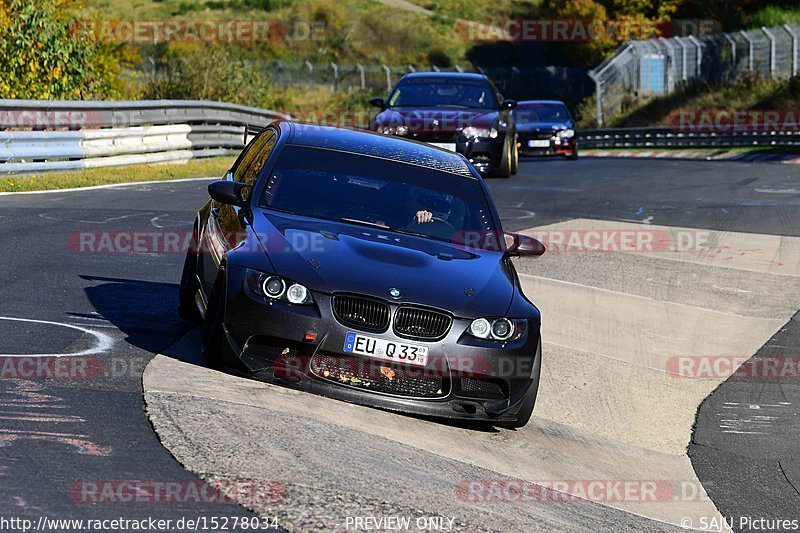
x=421 y=323
x=271 y=348
x=398 y=380
x=483 y=388
x=536 y=135
x=361 y=313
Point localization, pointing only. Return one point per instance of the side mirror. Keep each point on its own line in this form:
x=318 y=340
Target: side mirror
x=377 y=102
x=230 y=192
x=521 y=245
x=508 y=104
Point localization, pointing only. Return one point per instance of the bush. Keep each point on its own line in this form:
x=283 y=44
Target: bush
x=47 y=51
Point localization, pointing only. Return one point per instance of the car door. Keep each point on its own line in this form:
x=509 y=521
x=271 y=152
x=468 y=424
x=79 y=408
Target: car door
x=225 y=227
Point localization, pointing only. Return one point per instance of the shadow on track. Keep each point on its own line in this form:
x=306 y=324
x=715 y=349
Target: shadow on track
x=145 y=311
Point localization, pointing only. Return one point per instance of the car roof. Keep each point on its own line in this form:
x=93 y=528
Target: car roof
x=367 y=143
x=445 y=75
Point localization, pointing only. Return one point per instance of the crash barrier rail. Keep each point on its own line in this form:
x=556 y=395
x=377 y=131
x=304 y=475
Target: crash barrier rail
x=655 y=67
x=672 y=137
x=38 y=135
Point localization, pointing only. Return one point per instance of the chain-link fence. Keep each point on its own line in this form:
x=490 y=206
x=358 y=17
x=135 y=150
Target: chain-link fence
x=564 y=83
x=660 y=66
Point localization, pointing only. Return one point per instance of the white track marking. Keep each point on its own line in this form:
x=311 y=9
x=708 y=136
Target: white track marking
x=109 y=186
x=102 y=342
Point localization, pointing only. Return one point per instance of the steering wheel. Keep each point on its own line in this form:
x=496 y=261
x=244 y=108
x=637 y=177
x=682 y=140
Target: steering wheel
x=449 y=228
x=442 y=221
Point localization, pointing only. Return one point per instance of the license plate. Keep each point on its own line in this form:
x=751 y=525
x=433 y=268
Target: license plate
x=385 y=350
x=539 y=144
x=446 y=146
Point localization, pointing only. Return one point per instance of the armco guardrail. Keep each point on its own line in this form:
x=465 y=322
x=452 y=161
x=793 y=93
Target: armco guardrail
x=37 y=135
x=672 y=137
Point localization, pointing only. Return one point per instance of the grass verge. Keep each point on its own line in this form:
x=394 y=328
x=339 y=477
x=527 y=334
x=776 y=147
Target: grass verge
x=214 y=166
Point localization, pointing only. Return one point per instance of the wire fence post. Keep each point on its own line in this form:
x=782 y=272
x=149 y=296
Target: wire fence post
x=362 y=76
x=732 y=42
x=699 y=57
x=749 y=41
x=310 y=68
x=335 y=68
x=388 y=78
x=771 y=38
x=793 y=35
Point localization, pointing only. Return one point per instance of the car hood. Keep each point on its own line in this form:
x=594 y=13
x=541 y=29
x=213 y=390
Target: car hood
x=332 y=257
x=437 y=119
x=543 y=126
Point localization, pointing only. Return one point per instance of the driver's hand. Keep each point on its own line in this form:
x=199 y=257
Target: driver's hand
x=424 y=216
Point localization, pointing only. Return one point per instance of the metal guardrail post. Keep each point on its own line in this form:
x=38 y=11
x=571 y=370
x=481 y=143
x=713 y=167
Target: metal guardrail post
x=771 y=38
x=750 y=63
x=793 y=34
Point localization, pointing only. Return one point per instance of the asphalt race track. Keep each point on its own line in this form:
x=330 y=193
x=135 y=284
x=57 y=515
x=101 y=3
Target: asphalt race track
x=714 y=276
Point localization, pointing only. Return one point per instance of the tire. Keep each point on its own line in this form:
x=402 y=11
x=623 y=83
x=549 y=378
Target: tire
x=514 y=157
x=504 y=170
x=574 y=155
x=187 y=307
x=216 y=350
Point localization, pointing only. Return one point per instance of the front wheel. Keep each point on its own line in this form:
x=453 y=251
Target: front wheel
x=187 y=304
x=515 y=156
x=574 y=155
x=504 y=169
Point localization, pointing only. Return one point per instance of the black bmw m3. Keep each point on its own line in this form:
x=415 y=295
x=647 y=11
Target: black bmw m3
x=367 y=268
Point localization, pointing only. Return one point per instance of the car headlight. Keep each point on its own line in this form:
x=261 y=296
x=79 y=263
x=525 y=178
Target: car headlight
x=497 y=329
x=277 y=288
x=474 y=132
x=566 y=134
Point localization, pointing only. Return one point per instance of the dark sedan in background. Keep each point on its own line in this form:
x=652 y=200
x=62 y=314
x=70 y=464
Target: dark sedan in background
x=367 y=268
x=461 y=112
x=545 y=127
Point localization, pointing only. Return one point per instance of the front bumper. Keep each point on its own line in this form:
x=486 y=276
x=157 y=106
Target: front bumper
x=555 y=145
x=465 y=378
x=484 y=154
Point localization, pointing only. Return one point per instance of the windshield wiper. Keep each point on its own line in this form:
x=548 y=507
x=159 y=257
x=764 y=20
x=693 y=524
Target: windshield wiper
x=364 y=223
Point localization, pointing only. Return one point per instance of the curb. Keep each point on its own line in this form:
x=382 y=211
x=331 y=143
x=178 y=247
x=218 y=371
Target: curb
x=758 y=157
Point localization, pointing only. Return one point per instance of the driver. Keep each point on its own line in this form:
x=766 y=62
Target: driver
x=428 y=205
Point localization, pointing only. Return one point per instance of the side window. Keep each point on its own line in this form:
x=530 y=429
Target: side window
x=254 y=157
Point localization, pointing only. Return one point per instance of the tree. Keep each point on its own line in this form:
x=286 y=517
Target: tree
x=48 y=51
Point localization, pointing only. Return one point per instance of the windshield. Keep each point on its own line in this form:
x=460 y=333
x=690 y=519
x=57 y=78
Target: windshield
x=444 y=93
x=394 y=196
x=531 y=113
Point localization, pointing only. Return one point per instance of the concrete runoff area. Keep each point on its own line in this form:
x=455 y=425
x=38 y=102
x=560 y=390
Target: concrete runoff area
x=613 y=404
